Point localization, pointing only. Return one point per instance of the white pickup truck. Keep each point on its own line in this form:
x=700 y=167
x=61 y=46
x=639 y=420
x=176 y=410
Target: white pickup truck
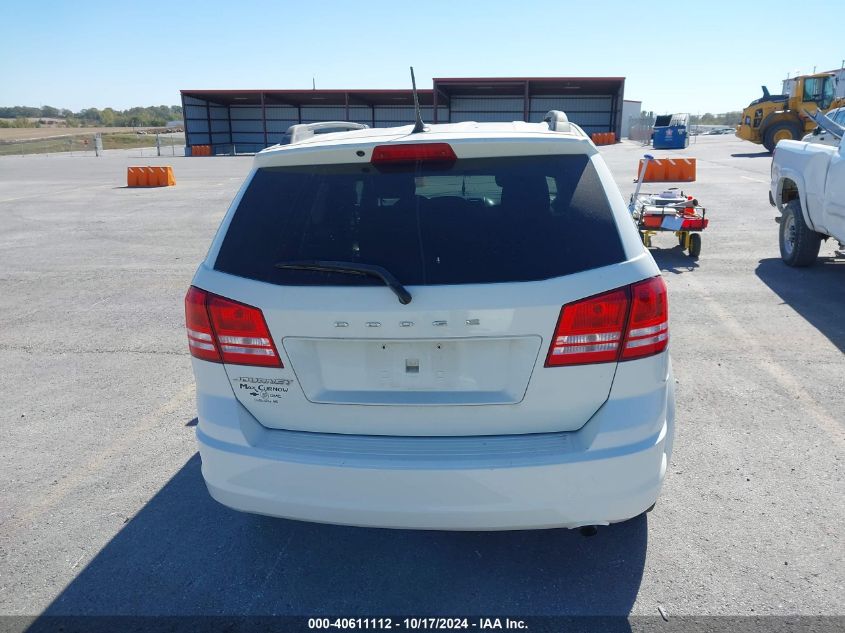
x=808 y=188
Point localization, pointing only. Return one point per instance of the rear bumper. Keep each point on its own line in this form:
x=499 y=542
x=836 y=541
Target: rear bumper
x=567 y=494
x=610 y=470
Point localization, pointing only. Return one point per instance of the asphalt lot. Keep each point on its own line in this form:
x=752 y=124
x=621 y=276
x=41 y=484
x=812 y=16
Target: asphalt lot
x=102 y=505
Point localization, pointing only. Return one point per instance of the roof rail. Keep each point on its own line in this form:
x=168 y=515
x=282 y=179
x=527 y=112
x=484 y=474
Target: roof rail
x=302 y=131
x=557 y=121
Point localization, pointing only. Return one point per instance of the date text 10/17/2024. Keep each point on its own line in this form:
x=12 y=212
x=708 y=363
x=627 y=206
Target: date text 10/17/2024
x=431 y=624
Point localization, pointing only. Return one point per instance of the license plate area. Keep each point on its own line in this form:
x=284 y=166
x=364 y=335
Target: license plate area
x=419 y=372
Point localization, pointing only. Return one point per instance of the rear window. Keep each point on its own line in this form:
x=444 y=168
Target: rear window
x=472 y=221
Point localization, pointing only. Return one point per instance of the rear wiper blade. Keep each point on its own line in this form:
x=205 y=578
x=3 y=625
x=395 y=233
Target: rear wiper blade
x=351 y=268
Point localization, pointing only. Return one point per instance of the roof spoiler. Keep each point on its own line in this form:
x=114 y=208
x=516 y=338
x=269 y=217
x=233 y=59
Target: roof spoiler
x=302 y=131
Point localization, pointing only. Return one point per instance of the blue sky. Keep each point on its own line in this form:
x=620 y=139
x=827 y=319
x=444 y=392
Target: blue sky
x=712 y=57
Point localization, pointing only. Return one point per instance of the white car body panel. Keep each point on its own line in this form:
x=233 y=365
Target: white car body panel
x=834 y=195
x=302 y=310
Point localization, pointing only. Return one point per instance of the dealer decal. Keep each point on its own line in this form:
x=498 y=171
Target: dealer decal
x=262 y=390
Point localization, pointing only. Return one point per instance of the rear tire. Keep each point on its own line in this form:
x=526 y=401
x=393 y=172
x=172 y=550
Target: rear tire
x=799 y=245
x=781 y=131
x=694 y=245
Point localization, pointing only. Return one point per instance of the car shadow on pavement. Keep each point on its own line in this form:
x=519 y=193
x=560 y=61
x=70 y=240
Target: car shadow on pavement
x=763 y=154
x=184 y=554
x=673 y=260
x=815 y=292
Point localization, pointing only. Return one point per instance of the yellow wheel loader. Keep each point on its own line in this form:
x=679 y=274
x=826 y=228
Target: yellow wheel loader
x=773 y=118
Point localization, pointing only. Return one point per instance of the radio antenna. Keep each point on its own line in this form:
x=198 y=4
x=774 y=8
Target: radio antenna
x=419 y=126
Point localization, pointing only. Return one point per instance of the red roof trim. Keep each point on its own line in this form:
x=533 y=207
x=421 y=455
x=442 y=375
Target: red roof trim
x=538 y=79
x=436 y=80
x=341 y=91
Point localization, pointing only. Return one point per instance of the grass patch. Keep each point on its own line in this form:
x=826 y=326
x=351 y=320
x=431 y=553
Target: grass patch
x=85 y=143
x=129 y=141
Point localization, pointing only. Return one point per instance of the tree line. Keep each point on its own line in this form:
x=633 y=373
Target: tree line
x=151 y=116
x=157 y=116
x=726 y=118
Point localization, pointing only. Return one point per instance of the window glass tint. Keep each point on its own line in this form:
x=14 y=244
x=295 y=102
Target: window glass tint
x=473 y=221
x=827 y=93
x=812 y=89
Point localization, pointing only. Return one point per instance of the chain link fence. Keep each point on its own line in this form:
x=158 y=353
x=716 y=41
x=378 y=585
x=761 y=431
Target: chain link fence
x=640 y=128
x=137 y=144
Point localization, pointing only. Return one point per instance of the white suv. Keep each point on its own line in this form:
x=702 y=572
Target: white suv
x=452 y=329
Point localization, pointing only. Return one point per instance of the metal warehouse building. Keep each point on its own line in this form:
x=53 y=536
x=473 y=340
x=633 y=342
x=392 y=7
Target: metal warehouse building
x=250 y=120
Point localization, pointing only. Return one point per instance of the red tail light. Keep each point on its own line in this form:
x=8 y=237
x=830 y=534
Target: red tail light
x=200 y=337
x=590 y=330
x=222 y=330
x=413 y=152
x=241 y=333
x=648 y=325
x=626 y=323
x=694 y=224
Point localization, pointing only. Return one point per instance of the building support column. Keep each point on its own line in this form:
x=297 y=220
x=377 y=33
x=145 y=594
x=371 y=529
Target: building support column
x=264 y=119
x=526 y=109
